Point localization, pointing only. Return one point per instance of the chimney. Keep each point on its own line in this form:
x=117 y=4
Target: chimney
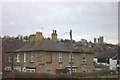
x=32 y=38
x=101 y=39
x=95 y=40
x=98 y=40
x=38 y=37
x=54 y=36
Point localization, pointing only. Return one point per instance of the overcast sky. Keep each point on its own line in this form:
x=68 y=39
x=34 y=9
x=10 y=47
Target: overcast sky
x=86 y=19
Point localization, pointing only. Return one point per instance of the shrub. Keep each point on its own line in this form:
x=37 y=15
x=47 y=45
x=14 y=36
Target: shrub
x=104 y=72
x=39 y=75
x=80 y=74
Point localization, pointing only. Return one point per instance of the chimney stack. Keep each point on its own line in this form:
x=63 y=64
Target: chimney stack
x=32 y=38
x=95 y=40
x=54 y=36
x=101 y=40
x=38 y=37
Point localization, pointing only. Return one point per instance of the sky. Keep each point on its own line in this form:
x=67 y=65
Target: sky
x=88 y=20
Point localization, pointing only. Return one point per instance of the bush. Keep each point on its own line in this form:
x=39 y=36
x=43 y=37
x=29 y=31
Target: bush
x=92 y=74
x=39 y=75
x=46 y=75
x=104 y=72
x=80 y=74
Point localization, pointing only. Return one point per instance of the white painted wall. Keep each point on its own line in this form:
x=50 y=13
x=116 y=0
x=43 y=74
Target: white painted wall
x=95 y=60
x=113 y=64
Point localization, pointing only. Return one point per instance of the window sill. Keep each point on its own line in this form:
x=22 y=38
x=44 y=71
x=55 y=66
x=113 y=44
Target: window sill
x=48 y=62
x=41 y=64
x=60 y=62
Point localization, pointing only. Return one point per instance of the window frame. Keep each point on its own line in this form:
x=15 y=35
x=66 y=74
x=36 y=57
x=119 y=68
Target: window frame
x=24 y=57
x=18 y=57
x=60 y=57
x=73 y=70
x=32 y=57
x=84 y=60
x=9 y=57
x=49 y=71
x=70 y=57
x=30 y=70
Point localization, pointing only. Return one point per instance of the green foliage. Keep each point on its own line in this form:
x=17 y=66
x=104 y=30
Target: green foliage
x=104 y=72
x=97 y=73
x=39 y=75
x=77 y=74
x=84 y=74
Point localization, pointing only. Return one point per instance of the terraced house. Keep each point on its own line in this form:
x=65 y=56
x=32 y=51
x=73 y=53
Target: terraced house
x=50 y=56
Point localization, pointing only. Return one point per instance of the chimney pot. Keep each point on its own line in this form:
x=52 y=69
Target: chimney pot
x=53 y=30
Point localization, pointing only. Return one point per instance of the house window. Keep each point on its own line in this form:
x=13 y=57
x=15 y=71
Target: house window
x=84 y=60
x=24 y=57
x=84 y=71
x=9 y=57
x=18 y=57
x=30 y=70
x=70 y=57
x=48 y=71
x=118 y=61
x=60 y=57
x=7 y=68
x=18 y=68
x=32 y=58
x=73 y=70
x=101 y=60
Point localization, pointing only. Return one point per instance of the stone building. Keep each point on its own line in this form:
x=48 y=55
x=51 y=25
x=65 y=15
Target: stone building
x=100 y=40
x=49 y=56
x=9 y=48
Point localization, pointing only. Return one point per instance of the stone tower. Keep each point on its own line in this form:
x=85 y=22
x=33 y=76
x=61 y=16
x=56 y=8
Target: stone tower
x=101 y=40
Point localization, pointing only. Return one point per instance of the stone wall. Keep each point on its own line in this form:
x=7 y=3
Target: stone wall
x=44 y=61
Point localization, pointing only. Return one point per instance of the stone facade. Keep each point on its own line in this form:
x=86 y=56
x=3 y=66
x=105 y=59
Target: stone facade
x=44 y=61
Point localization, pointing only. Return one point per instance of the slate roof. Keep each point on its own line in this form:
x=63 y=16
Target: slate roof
x=105 y=55
x=13 y=46
x=48 y=46
x=44 y=45
x=117 y=57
